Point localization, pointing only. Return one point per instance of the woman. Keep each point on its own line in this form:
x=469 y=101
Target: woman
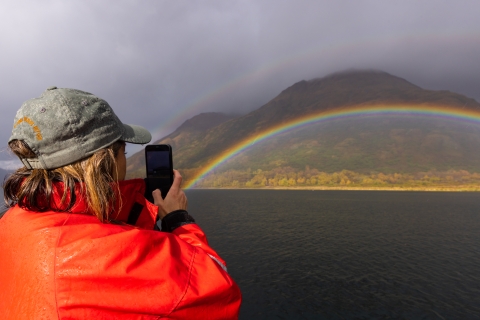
x=78 y=241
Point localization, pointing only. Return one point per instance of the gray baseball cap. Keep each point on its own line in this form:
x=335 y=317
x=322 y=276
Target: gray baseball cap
x=66 y=125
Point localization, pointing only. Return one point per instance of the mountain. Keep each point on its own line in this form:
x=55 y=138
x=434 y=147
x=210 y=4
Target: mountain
x=182 y=136
x=388 y=144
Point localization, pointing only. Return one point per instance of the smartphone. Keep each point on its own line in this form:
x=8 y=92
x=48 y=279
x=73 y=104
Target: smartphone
x=159 y=165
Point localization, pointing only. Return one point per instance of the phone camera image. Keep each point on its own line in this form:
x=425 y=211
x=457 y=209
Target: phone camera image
x=159 y=164
x=159 y=167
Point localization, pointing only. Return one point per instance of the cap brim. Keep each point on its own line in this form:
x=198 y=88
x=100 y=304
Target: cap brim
x=136 y=134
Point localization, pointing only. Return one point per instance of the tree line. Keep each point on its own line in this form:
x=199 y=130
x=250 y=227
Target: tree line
x=288 y=177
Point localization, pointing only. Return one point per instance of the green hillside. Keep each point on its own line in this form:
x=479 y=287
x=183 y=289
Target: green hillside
x=383 y=144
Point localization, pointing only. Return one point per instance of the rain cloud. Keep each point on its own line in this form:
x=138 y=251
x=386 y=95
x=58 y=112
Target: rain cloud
x=159 y=63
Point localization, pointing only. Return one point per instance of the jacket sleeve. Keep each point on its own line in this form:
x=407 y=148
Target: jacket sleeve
x=193 y=235
x=211 y=293
x=121 y=272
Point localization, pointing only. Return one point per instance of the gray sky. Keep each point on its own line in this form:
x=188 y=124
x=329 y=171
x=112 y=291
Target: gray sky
x=159 y=63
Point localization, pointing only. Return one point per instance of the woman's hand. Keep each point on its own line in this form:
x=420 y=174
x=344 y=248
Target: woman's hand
x=175 y=199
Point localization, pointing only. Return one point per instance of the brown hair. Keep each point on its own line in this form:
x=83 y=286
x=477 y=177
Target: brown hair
x=32 y=189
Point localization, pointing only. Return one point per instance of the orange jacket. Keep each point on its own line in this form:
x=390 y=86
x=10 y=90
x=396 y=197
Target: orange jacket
x=72 y=266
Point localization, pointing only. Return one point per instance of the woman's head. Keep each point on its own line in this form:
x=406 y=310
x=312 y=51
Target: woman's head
x=63 y=126
x=73 y=137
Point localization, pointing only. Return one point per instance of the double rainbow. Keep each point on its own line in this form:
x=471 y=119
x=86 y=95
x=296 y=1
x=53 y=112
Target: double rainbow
x=454 y=113
x=330 y=53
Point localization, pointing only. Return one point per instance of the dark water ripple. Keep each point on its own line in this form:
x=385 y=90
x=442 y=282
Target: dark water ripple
x=347 y=255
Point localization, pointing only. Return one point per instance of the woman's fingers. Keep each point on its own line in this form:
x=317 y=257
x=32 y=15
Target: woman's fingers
x=157 y=196
x=177 y=180
x=175 y=198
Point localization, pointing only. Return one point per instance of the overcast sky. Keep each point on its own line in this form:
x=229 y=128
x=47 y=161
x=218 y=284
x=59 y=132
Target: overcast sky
x=159 y=63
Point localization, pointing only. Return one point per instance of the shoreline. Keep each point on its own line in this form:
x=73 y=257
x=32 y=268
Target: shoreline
x=314 y=188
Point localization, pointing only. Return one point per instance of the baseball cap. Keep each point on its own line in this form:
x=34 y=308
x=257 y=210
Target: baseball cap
x=65 y=125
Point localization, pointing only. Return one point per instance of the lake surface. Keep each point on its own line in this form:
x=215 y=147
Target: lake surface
x=347 y=254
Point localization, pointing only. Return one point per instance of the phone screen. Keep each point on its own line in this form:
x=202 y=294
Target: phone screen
x=158 y=160
x=158 y=164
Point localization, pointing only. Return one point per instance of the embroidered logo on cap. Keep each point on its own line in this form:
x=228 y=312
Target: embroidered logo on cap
x=37 y=131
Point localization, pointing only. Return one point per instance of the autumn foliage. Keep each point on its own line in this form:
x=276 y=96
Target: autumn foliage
x=288 y=177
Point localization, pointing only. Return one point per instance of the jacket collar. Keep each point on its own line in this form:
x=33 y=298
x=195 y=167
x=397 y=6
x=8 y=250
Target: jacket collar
x=134 y=210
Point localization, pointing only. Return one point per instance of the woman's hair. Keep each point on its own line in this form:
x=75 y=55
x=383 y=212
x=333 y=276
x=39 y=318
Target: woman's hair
x=94 y=178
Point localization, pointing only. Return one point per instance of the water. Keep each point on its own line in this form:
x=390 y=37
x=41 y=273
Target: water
x=347 y=254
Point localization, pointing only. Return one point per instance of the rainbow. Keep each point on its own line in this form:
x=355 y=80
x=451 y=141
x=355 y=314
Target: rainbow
x=455 y=113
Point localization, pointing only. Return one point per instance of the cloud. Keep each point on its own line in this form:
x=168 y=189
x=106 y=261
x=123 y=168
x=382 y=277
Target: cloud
x=10 y=164
x=160 y=62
